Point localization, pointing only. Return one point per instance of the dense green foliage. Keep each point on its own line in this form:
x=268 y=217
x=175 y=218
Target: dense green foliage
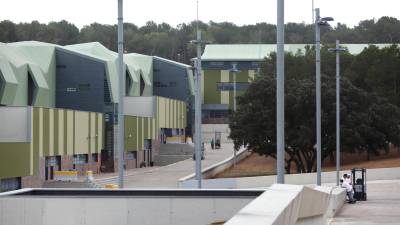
x=370 y=113
x=173 y=42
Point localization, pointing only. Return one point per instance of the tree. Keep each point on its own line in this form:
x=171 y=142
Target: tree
x=369 y=123
x=7 y=31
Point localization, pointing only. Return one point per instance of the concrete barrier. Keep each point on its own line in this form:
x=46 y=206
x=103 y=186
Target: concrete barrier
x=213 y=170
x=290 y=205
x=328 y=178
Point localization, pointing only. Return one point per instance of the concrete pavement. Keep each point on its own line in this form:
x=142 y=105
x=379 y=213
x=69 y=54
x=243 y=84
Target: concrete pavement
x=167 y=176
x=382 y=206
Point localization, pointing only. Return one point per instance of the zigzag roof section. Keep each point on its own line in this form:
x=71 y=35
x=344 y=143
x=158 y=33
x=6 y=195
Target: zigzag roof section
x=137 y=66
x=257 y=52
x=144 y=69
x=23 y=58
x=97 y=51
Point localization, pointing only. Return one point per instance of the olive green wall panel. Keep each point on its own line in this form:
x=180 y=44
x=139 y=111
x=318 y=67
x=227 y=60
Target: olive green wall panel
x=100 y=132
x=15 y=160
x=211 y=94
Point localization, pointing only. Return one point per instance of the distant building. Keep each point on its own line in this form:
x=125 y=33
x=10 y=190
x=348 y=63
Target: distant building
x=217 y=81
x=58 y=108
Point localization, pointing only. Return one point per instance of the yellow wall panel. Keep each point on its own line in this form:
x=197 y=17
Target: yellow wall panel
x=81 y=137
x=51 y=132
x=40 y=139
x=224 y=94
x=251 y=75
x=92 y=136
x=60 y=138
x=69 y=131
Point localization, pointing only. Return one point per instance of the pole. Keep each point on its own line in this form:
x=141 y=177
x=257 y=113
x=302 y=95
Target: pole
x=234 y=106
x=280 y=98
x=198 y=112
x=121 y=96
x=337 y=112
x=318 y=92
x=313 y=10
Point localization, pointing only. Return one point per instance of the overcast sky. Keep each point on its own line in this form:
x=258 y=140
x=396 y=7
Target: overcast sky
x=84 y=12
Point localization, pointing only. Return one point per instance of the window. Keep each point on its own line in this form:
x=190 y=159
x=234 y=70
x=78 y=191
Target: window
x=95 y=157
x=80 y=159
x=10 y=184
x=141 y=84
x=71 y=89
x=172 y=84
x=61 y=66
x=217 y=63
x=31 y=89
x=229 y=86
x=128 y=83
x=84 y=87
x=131 y=155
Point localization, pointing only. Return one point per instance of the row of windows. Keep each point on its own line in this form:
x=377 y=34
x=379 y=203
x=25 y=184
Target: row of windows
x=81 y=87
x=230 y=86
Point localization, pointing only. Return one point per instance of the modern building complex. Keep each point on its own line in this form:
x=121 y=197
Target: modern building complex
x=58 y=107
x=218 y=82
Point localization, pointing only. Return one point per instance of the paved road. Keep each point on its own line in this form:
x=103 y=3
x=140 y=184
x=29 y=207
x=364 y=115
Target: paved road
x=167 y=176
x=382 y=207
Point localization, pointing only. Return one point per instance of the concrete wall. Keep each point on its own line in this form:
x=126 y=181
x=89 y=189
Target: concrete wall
x=147 y=106
x=31 y=210
x=15 y=124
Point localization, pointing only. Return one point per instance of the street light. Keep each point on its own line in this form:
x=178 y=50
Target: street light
x=280 y=93
x=121 y=76
x=198 y=42
x=318 y=23
x=234 y=70
x=337 y=50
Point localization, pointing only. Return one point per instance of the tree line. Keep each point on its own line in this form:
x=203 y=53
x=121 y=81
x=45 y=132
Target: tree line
x=173 y=42
x=370 y=106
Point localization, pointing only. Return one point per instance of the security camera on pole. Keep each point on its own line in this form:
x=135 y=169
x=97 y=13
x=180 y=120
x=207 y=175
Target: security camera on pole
x=337 y=50
x=318 y=23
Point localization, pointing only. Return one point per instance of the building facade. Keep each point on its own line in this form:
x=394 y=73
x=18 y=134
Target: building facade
x=64 y=99
x=218 y=84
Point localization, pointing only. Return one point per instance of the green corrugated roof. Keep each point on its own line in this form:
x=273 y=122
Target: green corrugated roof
x=256 y=52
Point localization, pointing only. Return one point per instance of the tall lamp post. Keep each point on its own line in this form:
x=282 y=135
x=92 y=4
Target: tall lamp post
x=121 y=76
x=337 y=50
x=234 y=70
x=197 y=117
x=280 y=91
x=318 y=23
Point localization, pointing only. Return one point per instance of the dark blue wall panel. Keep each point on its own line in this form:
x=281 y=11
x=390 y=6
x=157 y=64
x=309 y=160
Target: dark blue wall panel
x=80 y=82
